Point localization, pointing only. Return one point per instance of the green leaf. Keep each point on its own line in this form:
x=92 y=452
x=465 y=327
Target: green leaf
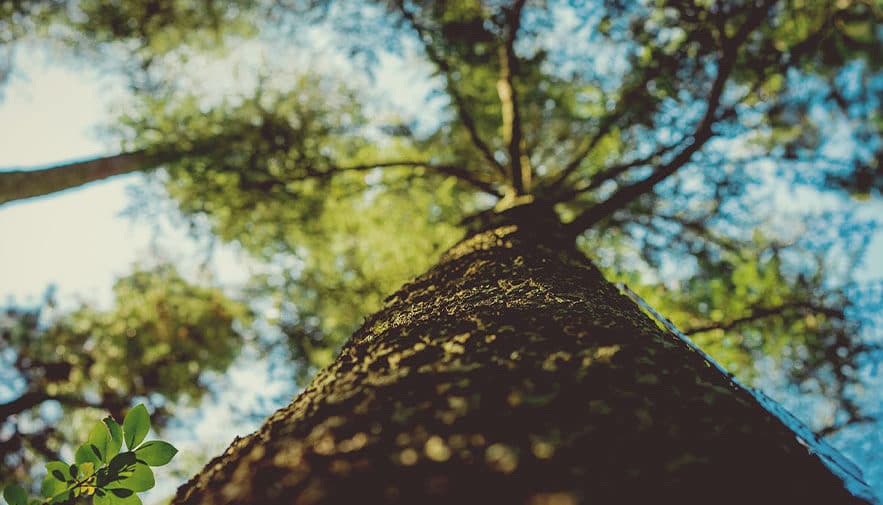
x=135 y=426
x=61 y=497
x=121 y=461
x=15 y=495
x=101 y=442
x=112 y=499
x=85 y=454
x=52 y=484
x=116 y=436
x=139 y=478
x=156 y=452
x=122 y=492
x=87 y=469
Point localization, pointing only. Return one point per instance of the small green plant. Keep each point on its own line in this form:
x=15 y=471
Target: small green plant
x=101 y=474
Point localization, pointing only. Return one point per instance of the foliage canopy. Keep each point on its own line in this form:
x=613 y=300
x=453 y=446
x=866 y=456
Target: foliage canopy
x=680 y=141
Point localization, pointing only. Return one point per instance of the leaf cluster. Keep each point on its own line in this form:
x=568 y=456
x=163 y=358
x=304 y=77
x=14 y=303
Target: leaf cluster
x=102 y=473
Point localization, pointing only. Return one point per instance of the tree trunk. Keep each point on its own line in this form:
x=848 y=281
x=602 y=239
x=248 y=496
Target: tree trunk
x=23 y=184
x=512 y=372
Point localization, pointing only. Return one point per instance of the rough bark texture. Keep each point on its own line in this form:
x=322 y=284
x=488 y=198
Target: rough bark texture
x=512 y=372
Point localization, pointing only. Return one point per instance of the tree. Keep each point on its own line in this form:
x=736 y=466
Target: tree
x=513 y=372
x=651 y=151
x=158 y=342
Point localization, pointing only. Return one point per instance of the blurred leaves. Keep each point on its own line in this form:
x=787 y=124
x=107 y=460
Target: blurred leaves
x=159 y=339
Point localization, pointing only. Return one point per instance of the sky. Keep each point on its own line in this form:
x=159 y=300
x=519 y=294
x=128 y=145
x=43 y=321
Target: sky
x=81 y=240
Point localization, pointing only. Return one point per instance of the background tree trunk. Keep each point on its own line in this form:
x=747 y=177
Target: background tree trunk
x=23 y=184
x=513 y=372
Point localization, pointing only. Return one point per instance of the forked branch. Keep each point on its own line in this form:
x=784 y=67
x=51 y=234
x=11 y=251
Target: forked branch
x=703 y=132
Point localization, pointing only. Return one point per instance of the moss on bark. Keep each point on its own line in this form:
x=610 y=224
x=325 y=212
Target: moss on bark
x=512 y=372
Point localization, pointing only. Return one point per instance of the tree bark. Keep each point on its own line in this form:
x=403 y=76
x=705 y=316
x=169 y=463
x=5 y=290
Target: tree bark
x=513 y=372
x=24 y=402
x=23 y=184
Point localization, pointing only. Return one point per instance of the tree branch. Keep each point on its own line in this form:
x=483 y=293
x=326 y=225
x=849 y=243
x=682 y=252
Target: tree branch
x=695 y=227
x=606 y=124
x=836 y=428
x=459 y=102
x=611 y=173
x=603 y=129
x=764 y=312
x=37 y=442
x=23 y=184
x=35 y=397
x=519 y=161
x=700 y=136
x=454 y=171
x=22 y=403
x=627 y=194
